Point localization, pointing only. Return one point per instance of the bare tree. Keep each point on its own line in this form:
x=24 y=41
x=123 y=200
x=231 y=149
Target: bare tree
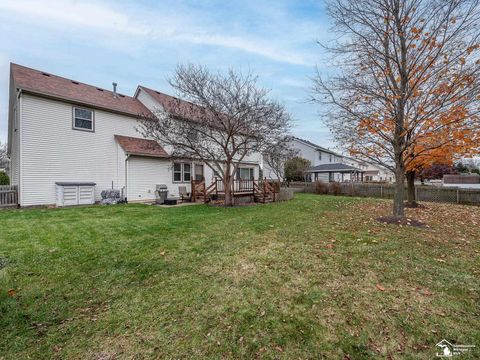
x=277 y=154
x=218 y=118
x=408 y=80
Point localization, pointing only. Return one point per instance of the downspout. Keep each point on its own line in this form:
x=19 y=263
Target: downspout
x=126 y=177
x=18 y=126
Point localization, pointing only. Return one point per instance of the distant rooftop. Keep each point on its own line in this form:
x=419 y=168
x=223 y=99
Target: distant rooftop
x=318 y=147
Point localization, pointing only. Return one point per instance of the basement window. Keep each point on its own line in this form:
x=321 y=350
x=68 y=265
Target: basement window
x=83 y=119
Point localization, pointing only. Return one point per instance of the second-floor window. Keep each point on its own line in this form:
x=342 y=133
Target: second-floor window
x=83 y=119
x=320 y=155
x=330 y=159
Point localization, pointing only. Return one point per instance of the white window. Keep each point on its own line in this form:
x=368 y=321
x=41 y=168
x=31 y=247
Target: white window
x=83 y=119
x=245 y=174
x=177 y=172
x=330 y=158
x=187 y=171
x=198 y=172
x=319 y=155
x=182 y=172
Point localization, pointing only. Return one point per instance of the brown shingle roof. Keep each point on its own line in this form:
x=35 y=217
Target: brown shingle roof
x=31 y=80
x=138 y=146
x=177 y=107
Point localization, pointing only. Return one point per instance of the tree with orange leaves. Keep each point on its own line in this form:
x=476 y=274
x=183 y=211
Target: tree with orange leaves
x=407 y=88
x=446 y=146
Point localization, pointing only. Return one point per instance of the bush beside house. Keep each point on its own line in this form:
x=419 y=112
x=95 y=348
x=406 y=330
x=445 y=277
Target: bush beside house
x=4 y=178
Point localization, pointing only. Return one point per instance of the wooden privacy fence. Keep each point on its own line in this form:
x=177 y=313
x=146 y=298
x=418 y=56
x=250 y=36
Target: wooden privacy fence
x=8 y=195
x=453 y=195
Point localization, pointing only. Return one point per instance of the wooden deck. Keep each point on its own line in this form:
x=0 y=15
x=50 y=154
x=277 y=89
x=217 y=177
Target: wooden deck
x=260 y=190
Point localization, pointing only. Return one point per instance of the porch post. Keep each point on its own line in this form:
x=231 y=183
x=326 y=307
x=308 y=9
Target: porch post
x=193 y=190
x=204 y=192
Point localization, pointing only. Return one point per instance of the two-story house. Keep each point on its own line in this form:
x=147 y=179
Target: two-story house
x=326 y=165
x=372 y=172
x=64 y=133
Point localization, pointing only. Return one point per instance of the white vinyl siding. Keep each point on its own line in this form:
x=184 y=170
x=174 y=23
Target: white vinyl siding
x=49 y=150
x=321 y=177
x=53 y=152
x=144 y=173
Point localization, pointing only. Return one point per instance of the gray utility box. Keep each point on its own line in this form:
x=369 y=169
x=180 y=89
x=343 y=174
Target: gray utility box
x=161 y=193
x=75 y=193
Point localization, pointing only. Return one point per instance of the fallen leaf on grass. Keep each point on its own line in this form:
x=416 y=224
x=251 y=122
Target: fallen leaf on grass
x=162 y=253
x=380 y=287
x=11 y=292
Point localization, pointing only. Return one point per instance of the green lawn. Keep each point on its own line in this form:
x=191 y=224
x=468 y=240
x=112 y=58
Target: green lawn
x=316 y=277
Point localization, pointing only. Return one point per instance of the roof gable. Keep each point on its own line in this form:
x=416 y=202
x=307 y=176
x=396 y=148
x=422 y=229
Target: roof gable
x=315 y=146
x=175 y=106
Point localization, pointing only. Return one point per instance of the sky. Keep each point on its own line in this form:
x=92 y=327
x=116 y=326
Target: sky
x=140 y=42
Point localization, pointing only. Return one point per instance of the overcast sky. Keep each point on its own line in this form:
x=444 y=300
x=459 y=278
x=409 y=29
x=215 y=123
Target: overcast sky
x=140 y=42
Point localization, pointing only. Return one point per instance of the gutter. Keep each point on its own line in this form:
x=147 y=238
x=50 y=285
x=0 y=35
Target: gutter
x=126 y=178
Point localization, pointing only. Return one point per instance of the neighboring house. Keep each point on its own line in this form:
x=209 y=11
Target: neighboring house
x=466 y=181
x=64 y=131
x=326 y=165
x=372 y=172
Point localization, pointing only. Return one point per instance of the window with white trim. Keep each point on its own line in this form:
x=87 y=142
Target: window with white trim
x=198 y=172
x=245 y=174
x=187 y=172
x=177 y=172
x=83 y=119
x=182 y=172
x=319 y=155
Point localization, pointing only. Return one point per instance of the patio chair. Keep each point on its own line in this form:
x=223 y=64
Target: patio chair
x=184 y=195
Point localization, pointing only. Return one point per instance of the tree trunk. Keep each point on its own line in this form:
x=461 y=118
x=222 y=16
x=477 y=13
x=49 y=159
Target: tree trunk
x=411 y=198
x=398 y=199
x=227 y=185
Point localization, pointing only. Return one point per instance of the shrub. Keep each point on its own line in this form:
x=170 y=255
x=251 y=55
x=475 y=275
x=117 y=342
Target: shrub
x=4 y=179
x=321 y=187
x=295 y=169
x=335 y=188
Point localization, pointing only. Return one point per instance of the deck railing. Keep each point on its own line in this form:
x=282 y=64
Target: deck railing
x=263 y=188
